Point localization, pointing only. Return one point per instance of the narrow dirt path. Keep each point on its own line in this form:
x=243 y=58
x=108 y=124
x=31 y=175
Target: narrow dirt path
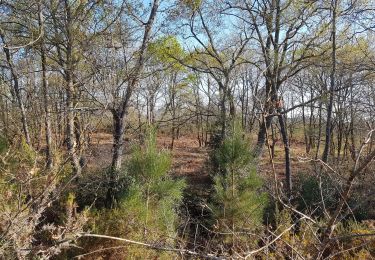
x=191 y=162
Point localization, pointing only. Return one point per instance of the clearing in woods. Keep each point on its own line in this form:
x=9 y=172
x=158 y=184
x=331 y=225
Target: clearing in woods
x=190 y=162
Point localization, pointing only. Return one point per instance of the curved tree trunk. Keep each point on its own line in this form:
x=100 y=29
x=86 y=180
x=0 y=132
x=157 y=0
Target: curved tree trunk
x=17 y=92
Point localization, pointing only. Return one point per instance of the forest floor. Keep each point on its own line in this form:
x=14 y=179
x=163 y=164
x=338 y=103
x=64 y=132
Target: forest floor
x=189 y=159
x=191 y=162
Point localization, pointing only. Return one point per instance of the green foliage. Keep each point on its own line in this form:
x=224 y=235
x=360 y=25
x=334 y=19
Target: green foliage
x=234 y=152
x=30 y=214
x=311 y=194
x=361 y=205
x=357 y=241
x=168 y=51
x=147 y=164
x=239 y=203
x=3 y=145
x=192 y=4
x=160 y=194
x=301 y=236
x=27 y=154
x=17 y=165
x=148 y=210
x=352 y=241
x=92 y=189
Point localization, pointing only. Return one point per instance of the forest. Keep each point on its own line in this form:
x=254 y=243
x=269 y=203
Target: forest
x=187 y=129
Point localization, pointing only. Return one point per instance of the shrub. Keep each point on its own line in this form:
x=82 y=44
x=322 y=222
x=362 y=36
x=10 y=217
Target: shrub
x=238 y=203
x=311 y=195
x=3 y=145
x=27 y=196
x=92 y=189
x=148 y=210
x=354 y=240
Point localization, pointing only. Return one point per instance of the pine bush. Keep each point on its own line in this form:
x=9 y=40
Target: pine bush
x=238 y=203
x=148 y=210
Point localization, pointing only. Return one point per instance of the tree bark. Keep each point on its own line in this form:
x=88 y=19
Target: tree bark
x=17 y=91
x=263 y=127
x=71 y=140
x=48 y=131
x=332 y=87
x=118 y=139
x=69 y=79
x=305 y=134
x=288 y=172
x=223 y=111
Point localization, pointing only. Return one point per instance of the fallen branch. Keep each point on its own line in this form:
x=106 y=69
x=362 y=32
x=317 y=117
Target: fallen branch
x=155 y=247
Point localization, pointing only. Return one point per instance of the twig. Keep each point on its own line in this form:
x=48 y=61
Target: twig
x=156 y=247
x=272 y=241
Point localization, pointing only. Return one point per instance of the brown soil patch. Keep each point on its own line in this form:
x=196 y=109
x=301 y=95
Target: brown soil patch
x=297 y=165
x=189 y=160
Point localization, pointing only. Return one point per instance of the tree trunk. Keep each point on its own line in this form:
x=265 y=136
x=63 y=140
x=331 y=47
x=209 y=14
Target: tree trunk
x=120 y=112
x=284 y=134
x=208 y=128
x=47 y=114
x=118 y=148
x=320 y=130
x=118 y=139
x=305 y=134
x=264 y=126
x=17 y=92
x=332 y=87
x=4 y=116
x=173 y=107
x=223 y=112
x=71 y=138
x=312 y=136
x=274 y=141
x=69 y=78
x=232 y=108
